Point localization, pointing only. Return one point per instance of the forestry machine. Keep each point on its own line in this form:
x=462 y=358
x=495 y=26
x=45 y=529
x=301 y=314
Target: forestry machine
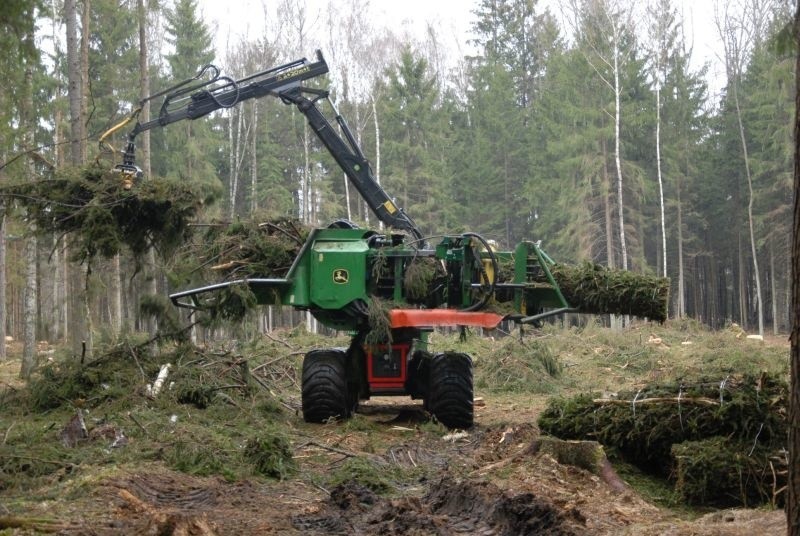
x=342 y=272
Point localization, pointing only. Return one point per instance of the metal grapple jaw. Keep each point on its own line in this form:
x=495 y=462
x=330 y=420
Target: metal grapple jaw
x=129 y=175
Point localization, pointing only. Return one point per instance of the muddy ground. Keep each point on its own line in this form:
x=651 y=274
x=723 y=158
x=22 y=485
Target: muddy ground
x=483 y=482
x=464 y=490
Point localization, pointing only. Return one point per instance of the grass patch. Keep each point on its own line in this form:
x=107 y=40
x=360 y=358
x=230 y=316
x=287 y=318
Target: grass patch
x=365 y=472
x=527 y=366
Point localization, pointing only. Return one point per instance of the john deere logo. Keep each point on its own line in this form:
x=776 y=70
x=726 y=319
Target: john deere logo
x=341 y=276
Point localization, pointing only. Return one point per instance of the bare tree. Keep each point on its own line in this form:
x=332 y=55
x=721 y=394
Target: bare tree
x=660 y=20
x=739 y=33
x=617 y=18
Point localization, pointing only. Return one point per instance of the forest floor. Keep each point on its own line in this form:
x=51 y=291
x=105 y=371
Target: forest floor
x=183 y=461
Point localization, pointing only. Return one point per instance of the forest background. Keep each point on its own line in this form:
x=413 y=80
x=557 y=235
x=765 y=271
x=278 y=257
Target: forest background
x=590 y=129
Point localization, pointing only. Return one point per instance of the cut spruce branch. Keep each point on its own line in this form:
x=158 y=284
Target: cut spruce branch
x=93 y=205
x=595 y=289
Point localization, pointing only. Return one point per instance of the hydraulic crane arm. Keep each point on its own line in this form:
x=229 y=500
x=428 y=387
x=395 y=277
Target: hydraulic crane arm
x=195 y=98
x=348 y=155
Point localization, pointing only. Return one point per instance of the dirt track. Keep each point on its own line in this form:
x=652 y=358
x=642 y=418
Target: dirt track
x=477 y=483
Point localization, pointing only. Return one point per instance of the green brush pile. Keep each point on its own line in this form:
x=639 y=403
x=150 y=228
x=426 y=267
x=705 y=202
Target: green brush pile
x=244 y=249
x=595 y=289
x=92 y=205
x=646 y=428
x=251 y=248
x=724 y=473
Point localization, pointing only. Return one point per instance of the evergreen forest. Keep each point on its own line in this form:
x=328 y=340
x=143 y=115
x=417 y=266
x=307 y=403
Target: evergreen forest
x=588 y=126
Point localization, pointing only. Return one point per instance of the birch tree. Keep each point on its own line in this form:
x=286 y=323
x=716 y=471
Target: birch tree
x=661 y=15
x=740 y=25
x=601 y=26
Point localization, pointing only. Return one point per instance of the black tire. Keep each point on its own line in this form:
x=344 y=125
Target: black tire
x=324 y=387
x=450 y=390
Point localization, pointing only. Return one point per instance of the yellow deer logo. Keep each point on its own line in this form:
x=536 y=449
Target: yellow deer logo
x=341 y=276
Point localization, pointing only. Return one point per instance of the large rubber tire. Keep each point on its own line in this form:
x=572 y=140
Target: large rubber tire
x=324 y=387
x=450 y=390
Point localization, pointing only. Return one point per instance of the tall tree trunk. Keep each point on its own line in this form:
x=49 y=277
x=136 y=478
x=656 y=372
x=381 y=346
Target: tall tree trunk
x=793 y=486
x=681 y=305
x=115 y=295
x=773 y=288
x=77 y=319
x=751 y=225
x=151 y=280
x=28 y=125
x=254 y=161
x=742 y=285
x=377 y=155
x=2 y=282
x=660 y=180
x=608 y=209
x=74 y=85
x=85 y=97
x=617 y=159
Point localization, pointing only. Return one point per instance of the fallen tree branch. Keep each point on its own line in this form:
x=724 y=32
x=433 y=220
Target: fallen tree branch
x=656 y=400
x=281 y=341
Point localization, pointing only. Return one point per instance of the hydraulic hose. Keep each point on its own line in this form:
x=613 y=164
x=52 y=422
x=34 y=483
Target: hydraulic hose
x=492 y=257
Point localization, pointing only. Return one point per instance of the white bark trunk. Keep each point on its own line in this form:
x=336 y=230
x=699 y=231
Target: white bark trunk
x=116 y=295
x=660 y=180
x=307 y=203
x=617 y=159
x=377 y=154
x=751 y=225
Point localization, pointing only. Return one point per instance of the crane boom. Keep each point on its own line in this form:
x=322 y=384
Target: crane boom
x=193 y=98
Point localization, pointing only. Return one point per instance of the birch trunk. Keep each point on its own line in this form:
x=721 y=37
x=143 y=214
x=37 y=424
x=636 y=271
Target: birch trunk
x=660 y=180
x=751 y=225
x=617 y=117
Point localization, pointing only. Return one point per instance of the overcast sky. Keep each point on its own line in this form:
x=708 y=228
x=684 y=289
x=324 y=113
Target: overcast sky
x=452 y=18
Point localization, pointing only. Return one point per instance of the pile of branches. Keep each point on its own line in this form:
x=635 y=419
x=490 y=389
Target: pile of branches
x=244 y=249
x=102 y=216
x=251 y=248
x=595 y=289
x=671 y=429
